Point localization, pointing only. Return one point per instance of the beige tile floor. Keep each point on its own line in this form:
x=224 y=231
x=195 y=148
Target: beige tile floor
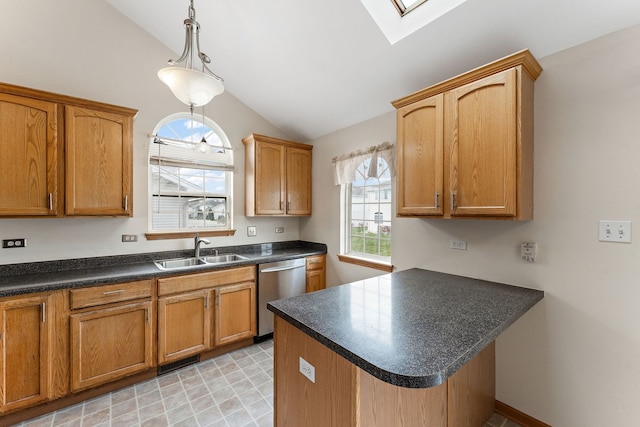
x=232 y=390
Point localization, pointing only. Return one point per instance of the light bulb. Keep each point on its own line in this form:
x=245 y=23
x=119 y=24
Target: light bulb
x=202 y=146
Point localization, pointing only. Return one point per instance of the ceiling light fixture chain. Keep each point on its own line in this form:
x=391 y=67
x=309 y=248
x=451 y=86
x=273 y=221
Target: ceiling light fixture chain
x=192 y=86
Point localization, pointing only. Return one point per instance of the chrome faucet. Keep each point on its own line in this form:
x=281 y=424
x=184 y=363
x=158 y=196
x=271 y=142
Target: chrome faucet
x=198 y=240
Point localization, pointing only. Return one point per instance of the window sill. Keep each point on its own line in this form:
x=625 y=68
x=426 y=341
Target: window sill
x=366 y=263
x=187 y=234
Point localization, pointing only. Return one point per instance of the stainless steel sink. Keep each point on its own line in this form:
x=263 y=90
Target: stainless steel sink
x=176 y=263
x=221 y=259
x=170 y=264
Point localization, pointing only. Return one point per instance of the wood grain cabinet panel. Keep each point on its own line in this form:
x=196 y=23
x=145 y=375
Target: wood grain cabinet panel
x=316 y=273
x=99 y=153
x=111 y=343
x=277 y=177
x=235 y=313
x=420 y=145
x=465 y=146
x=184 y=325
x=199 y=312
x=29 y=164
x=64 y=156
x=26 y=347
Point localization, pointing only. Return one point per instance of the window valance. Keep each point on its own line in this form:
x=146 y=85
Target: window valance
x=345 y=165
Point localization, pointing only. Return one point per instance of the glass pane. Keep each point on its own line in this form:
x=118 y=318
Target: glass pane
x=371 y=212
x=175 y=212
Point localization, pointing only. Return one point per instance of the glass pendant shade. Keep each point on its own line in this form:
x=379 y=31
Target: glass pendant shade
x=190 y=86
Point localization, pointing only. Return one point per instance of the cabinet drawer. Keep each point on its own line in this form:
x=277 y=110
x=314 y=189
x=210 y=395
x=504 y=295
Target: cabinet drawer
x=99 y=295
x=194 y=282
x=315 y=262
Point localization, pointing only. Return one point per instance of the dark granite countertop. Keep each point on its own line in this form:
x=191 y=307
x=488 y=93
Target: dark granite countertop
x=24 y=278
x=413 y=328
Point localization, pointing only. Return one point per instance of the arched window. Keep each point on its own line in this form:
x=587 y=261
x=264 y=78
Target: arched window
x=191 y=175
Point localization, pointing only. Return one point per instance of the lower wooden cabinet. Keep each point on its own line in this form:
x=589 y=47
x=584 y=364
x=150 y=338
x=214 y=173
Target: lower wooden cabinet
x=110 y=343
x=184 y=325
x=235 y=313
x=112 y=330
x=26 y=349
x=316 y=273
x=198 y=312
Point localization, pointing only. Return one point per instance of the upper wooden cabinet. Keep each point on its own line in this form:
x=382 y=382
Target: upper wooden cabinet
x=29 y=172
x=64 y=151
x=99 y=162
x=277 y=177
x=465 y=146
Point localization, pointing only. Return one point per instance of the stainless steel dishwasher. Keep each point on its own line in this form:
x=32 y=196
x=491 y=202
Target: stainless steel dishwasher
x=278 y=280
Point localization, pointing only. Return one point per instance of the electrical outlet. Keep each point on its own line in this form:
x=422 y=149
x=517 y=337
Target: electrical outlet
x=14 y=243
x=528 y=251
x=252 y=231
x=129 y=238
x=308 y=370
x=279 y=229
x=458 y=244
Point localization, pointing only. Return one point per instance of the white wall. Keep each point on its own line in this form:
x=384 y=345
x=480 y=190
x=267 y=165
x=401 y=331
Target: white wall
x=574 y=359
x=89 y=50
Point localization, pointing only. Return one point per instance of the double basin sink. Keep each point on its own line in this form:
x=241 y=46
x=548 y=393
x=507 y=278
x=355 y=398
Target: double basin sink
x=176 y=263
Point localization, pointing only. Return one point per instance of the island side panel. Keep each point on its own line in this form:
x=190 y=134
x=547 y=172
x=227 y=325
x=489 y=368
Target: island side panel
x=472 y=390
x=383 y=404
x=298 y=402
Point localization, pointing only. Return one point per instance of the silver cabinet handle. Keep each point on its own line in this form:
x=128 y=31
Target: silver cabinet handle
x=50 y=201
x=126 y=203
x=436 y=195
x=119 y=291
x=44 y=312
x=453 y=200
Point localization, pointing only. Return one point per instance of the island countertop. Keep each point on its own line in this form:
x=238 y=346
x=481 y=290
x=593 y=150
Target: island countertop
x=414 y=328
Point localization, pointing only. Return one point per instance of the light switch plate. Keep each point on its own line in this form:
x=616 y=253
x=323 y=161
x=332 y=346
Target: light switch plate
x=614 y=231
x=252 y=231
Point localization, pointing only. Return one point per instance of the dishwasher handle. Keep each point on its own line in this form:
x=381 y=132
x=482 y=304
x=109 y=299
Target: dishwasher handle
x=273 y=269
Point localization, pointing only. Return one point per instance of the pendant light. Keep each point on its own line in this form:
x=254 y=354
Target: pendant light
x=195 y=87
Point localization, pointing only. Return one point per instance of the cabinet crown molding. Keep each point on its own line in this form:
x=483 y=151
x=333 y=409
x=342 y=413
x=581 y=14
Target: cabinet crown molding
x=523 y=58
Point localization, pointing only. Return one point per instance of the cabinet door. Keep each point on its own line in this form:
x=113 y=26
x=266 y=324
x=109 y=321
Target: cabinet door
x=184 y=325
x=98 y=162
x=29 y=160
x=235 y=313
x=298 y=181
x=270 y=178
x=315 y=280
x=25 y=370
x=420 y=158
x=316 y=273
x=483 y=147
x=111 y=343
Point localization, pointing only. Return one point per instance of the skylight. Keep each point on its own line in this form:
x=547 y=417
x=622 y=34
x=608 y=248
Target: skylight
x=407 y=6
x=395 y=27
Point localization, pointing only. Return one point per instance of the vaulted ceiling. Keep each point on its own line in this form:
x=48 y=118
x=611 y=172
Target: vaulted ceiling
x=313 y=67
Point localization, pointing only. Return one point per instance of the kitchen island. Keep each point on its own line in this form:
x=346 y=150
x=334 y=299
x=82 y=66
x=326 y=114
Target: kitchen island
x=411 y=348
